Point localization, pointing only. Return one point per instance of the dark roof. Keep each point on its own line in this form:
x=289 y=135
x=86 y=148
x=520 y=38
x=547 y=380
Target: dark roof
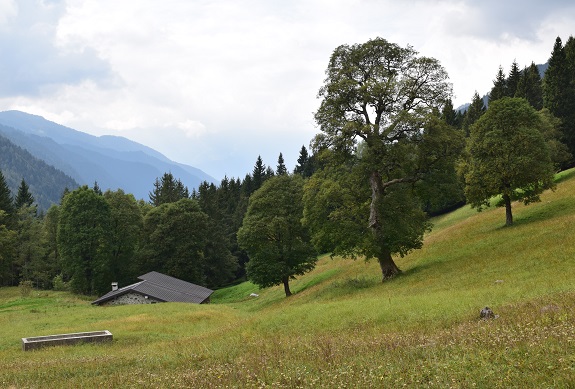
x=162 y=287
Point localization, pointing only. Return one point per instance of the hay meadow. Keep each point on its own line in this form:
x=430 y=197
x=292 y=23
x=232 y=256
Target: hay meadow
x=342 y=328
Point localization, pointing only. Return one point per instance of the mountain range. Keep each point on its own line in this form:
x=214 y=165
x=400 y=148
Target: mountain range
x=112 y=162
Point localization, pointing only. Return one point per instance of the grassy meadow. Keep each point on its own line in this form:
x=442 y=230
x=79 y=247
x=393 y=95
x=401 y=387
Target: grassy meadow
x=342 y=328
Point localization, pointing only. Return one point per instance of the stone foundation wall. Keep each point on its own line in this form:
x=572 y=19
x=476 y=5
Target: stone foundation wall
x=132 y=298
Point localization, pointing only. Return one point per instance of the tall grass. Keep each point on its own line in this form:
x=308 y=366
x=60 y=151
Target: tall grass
x=342 y=327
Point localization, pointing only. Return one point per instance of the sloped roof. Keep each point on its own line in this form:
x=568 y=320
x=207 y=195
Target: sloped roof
x=162 y=287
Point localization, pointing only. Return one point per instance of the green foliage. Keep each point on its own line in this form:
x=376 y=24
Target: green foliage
x=281 y=168
x=45 y=183
x=559 y=89
x=29 y=262
x=376 y=100
x=25 y=288
x=59 y=284
x=512 y=82
x=126 y=223
x=273 y=235
x=508 y=155
x=336 y=202
x=180 y=240
x=530 y=86
x=336 y=207
x=258 y=175
x=6 y=204
x=7 y=251
x=168 y=190
x=24 y=198
x=84 y=241
x=499 y=89
x=305 y=163
x=473 y=113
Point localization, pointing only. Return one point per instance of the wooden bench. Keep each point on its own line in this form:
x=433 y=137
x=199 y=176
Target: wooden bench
x=37 y=342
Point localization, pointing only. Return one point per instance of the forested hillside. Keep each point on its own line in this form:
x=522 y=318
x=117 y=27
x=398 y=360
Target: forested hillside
x=46 y=183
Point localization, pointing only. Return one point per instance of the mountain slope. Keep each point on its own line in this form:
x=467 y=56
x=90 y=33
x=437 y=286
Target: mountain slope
x=114 y=162
x=46 y=183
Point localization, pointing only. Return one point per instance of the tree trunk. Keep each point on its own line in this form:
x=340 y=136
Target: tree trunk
x=388 y=267
x=508 y=214
x=286 y=286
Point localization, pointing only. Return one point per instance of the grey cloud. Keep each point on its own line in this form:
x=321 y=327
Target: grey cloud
x=32 y=62
x=493 y=19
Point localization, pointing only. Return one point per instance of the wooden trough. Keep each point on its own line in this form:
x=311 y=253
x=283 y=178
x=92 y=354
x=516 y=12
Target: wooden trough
x=37 y=342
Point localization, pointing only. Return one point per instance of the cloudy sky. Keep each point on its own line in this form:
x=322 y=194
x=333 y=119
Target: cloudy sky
x=215 y=83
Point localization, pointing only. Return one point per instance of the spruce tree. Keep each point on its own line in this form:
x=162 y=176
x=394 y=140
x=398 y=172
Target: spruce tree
x=5 y=196
x=305 y=163
x=513 y=80
x=97 y=188
x=281 y=168
x=555 y=81
x=474 y=112
x=24 y=198
x=168 y=190
x=530 y=87
x=258 y=174
x=559 y=91
x=448 y=113
x=499 y=89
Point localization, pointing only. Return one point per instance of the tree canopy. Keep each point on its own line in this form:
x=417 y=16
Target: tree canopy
x=507 y=156
x=83 y=240
x=23 y=198
x=168 y=190
x=273 y=235
x=383 y=97
x=559 y=89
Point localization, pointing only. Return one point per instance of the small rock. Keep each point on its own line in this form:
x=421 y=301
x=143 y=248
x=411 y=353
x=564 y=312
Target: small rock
x=486 y=313
x=254 y=295
x=498 y=281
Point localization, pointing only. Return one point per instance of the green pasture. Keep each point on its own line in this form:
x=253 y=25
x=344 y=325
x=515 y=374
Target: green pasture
x=342 y=327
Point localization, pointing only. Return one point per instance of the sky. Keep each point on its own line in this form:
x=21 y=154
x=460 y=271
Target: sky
x=214 y=84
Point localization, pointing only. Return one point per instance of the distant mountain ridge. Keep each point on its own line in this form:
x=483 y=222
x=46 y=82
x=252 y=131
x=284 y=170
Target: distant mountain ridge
x=112 y=161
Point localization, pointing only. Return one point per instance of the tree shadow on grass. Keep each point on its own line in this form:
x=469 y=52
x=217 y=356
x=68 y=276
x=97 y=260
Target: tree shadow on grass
x=550 y=210
x=414 y=270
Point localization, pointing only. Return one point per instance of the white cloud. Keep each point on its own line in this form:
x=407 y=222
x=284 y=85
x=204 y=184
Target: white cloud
x=8 y=10
x=192 y=128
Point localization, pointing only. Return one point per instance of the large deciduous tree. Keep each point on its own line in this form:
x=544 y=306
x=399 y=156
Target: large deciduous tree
x=382 y=96
x=273 y=235
x=83 y=240
x=508 y=156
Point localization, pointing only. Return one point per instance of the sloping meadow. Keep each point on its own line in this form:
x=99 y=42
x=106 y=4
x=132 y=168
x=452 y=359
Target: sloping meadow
x=342 y=327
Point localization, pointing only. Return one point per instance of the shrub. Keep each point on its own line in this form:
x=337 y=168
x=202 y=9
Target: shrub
x=25 y=288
